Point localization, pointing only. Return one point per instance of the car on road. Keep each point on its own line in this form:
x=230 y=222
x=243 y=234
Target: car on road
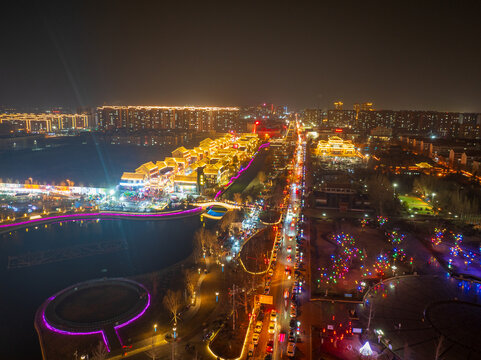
x=271 y=272
x=258 y=327
x=272 y=328
x=273 y=316
x=293 y=313
x=289 y=249
x=292 y=336
x=250 y=351
x=267 y=289
x=291 y=349
x=289 y=258
x=286 y=293
x=255 y=339
x=274 y=256
x=270 y=346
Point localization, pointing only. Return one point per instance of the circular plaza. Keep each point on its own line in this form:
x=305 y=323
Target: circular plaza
x=98 y=306
x=420 y=317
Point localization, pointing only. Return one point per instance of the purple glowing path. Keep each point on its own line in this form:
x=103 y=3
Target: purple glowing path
x=104 y=214
x=117 y=327
x=64 y=332
x=241 y=171
x=104 y=338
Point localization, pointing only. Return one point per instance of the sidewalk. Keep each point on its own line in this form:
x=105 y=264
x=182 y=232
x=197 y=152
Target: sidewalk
x=190 y=325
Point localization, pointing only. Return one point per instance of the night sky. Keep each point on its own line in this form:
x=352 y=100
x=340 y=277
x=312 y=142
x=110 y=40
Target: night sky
x=398 y=54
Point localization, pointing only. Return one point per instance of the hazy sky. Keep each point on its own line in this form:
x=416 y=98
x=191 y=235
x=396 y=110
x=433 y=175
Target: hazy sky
x=398 y=54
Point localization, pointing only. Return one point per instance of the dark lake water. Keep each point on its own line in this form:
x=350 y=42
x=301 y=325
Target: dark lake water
x=136 y=247
x=87 y=164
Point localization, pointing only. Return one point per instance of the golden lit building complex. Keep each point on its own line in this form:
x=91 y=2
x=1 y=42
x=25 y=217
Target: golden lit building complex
x=335 y=146
x=209 y=164
x=46 y=122
x=198 y=118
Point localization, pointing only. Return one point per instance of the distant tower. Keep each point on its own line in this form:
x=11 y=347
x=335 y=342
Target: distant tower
x=338 y=105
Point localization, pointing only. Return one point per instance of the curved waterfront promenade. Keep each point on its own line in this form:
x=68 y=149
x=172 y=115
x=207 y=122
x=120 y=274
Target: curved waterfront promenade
x=101 y=215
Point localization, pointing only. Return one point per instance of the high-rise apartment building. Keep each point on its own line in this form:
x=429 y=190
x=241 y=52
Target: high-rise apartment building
x=46 y=122
x=433 y=123
x=222 y=119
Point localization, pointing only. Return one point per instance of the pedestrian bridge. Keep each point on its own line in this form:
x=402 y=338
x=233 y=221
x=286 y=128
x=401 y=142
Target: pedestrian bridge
x=226 y=205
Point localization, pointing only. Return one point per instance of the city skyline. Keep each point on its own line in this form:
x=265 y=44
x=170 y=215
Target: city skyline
x=402 y=57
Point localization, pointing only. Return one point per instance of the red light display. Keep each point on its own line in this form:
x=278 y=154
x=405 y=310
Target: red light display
x=339 y=130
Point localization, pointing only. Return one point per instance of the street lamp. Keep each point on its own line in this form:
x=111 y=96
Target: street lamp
x=394 y=268
x=394 y=186
x=155 y=330
x=216 y=296
x=222 y=267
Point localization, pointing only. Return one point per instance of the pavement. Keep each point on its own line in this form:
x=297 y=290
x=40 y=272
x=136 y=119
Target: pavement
x=191 y=326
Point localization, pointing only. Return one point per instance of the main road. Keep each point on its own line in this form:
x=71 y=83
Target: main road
x=284 y=273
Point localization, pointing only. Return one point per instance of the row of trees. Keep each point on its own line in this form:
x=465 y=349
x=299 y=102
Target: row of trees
x=449 y=195
x=381 y=194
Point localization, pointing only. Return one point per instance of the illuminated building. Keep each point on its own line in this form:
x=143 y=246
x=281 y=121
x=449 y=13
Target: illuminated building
x=190 y=170
x=130 y=179
x=335 y=146
x=341 y=118
x=315 y=116
x=195 y=118
x=424 y=123
x=46 y=122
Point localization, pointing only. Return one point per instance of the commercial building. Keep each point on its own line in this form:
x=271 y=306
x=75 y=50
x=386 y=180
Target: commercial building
x=211 y=163
x=222 y=119
x=335 y=146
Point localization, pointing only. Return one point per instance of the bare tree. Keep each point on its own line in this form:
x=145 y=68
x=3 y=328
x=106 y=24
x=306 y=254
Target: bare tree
x=238 y=198
x=439 y=348
x=381 y=193
x=172 y=302
x=190 y=279
x=262 y=177
x=100 y=352
x=226 y=220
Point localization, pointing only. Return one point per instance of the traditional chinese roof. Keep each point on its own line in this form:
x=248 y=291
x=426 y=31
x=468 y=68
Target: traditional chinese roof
x=132 y=176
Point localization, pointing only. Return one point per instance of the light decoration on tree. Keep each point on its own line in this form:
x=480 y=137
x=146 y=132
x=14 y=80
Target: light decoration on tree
x=381 y=220
x=438 y=237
